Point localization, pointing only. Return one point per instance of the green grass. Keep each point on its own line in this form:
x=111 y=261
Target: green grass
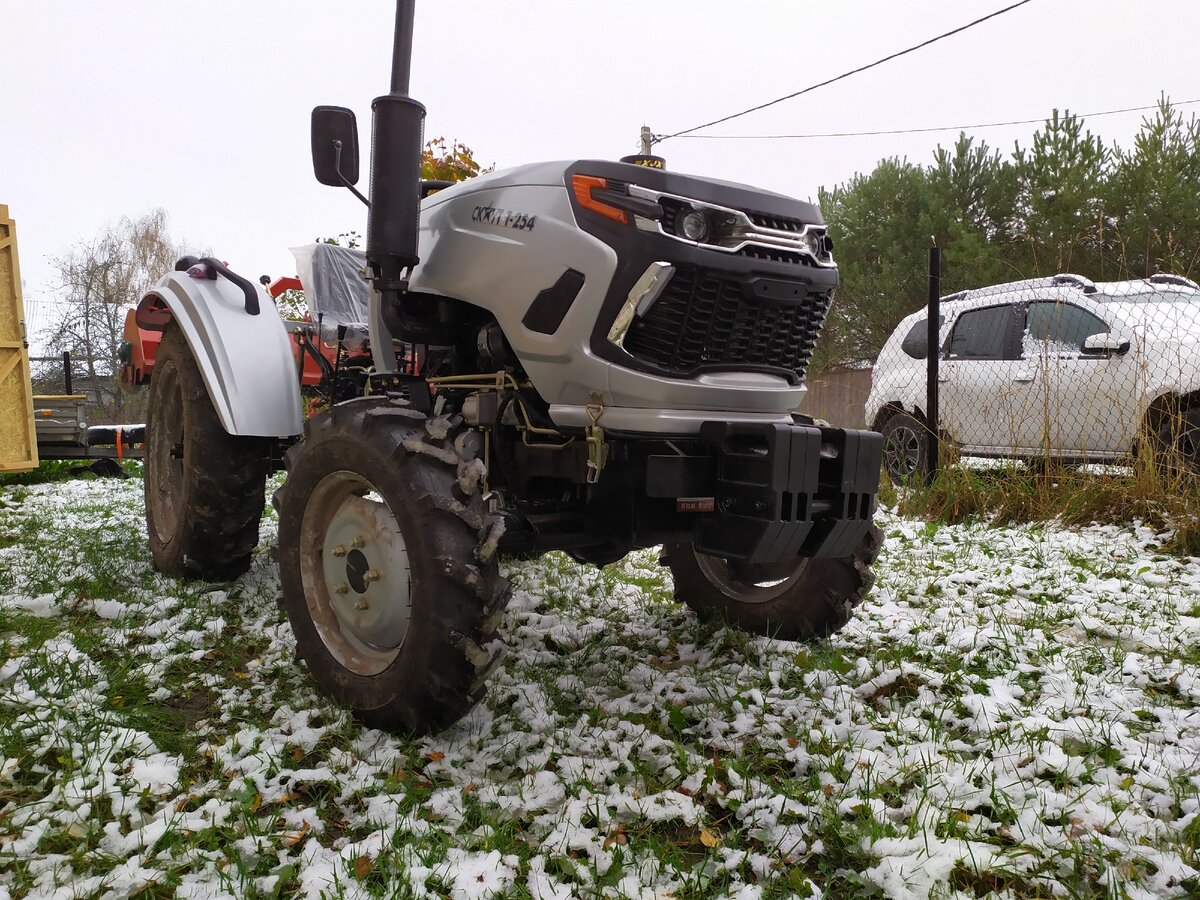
x=50 y=471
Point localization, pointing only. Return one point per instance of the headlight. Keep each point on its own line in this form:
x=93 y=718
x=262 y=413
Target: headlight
x=816 y=243
x=693 y=225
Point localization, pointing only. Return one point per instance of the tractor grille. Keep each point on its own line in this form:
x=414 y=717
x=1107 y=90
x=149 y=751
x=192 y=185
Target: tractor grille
x=705 y=318
x=753 y=251
x=779 y=223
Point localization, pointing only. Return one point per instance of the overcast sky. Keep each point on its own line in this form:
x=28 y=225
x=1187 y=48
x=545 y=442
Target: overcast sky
x=112 y=108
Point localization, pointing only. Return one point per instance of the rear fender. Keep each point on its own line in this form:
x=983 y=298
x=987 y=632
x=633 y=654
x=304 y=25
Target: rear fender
x=246 y=360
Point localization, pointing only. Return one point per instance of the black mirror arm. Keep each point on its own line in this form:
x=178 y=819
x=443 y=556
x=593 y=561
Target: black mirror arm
x=337 y=165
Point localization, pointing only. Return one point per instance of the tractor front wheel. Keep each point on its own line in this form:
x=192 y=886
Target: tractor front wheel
x=205 y=488
x=798 y=600
x=387 y=558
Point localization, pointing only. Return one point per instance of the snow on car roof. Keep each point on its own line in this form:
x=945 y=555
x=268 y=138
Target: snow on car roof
x=1155 y=289
x=1147 y=291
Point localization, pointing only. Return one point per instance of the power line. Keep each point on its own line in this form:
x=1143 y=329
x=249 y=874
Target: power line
x=841 y=134
x=878 y=62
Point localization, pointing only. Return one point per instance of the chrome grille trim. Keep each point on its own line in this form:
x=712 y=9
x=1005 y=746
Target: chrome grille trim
x=744 y=232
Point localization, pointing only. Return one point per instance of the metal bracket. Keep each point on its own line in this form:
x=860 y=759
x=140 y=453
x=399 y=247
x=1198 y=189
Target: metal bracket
x=597 y=448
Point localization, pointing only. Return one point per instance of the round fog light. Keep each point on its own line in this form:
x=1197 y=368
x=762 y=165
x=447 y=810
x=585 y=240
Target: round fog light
x=693 y=225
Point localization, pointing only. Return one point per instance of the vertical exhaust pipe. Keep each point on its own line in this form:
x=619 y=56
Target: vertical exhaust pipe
x=398 y=132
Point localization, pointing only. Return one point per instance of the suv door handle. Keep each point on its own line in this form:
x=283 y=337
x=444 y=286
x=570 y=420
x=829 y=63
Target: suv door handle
x=1023 y=377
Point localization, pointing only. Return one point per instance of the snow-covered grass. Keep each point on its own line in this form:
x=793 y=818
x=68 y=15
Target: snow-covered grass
x=1014 y=713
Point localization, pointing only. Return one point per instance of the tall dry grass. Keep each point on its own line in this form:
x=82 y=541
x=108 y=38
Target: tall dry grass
x=1164 y=497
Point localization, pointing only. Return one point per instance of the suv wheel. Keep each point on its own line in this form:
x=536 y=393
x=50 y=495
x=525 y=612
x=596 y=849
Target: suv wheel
x=1176 y=441
x=905 y=447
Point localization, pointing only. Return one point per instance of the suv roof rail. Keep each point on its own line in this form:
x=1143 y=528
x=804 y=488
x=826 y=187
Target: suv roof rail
x=1064 y=279
x=1086 y=284
x=1178 y=280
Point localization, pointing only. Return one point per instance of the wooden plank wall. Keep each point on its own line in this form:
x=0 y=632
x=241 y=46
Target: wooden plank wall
x=18 y=442
x=839 y=397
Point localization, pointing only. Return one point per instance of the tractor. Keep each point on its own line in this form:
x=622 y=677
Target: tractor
x=586 y=356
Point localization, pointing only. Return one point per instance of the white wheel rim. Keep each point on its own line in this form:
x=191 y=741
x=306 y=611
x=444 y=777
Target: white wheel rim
x=355 y=571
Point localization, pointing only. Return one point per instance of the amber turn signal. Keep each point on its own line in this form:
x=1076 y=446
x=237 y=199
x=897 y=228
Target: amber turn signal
x=584 y=185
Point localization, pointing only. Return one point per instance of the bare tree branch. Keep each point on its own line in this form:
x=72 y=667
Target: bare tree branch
x=100 y=279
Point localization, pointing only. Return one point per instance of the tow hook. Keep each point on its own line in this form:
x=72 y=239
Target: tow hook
x=597 y=448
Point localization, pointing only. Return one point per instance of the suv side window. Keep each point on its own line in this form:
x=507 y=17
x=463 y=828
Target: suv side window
x=988 y=333
x=1061 y=327
x=916 y=342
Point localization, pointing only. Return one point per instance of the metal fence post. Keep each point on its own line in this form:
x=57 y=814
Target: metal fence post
x=933 y=321
x=66 y=371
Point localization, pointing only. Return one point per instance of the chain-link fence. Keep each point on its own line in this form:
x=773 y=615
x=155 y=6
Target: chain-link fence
x=1047 y=370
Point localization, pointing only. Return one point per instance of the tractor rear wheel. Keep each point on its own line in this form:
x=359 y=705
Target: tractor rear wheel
x=387 y=557
x=205 y=488
x=795 y=601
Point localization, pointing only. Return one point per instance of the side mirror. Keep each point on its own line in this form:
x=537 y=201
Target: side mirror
x=335 y=146
x=1104 y=344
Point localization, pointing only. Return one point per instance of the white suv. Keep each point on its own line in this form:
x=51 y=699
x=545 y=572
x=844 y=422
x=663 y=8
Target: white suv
x=1050 y=368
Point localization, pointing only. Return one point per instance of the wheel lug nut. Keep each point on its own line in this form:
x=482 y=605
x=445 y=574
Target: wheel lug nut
x=339 y=550
x=371 y=575
x=358 y=543
x=342 y=588
x=361 y=603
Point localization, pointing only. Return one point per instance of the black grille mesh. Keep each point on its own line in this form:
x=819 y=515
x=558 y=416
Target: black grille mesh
x=704 y=317
x=779 y=223
x=754 y=251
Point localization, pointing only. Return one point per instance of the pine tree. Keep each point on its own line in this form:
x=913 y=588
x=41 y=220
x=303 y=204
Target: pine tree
x=1156 y=194
x=1060 y=199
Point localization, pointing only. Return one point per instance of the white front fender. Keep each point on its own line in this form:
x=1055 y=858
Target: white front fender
x=246 y=361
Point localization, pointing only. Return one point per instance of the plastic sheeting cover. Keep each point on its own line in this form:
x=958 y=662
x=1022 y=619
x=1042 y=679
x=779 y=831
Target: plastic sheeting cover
x=333 y=283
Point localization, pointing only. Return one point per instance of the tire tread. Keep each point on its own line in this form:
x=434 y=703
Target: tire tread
x=225 y=484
